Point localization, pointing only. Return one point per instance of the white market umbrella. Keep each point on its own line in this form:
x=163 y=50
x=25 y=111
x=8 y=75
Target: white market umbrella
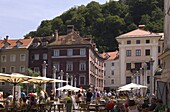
x=69 y=87
x=42 y=80
x=133 y=86
x=14 y=78
x=124 y=89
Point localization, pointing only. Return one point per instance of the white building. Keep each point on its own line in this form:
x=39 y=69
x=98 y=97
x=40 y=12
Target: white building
x=111 y=70
x=135 y=51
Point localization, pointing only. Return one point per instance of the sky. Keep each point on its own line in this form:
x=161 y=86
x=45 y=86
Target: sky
x=19 y=17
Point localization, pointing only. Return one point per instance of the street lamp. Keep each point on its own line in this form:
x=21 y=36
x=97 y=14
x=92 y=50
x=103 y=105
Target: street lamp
x=67 y=78
x=44 y=71
x=151 y=61
x=59 y=86
x=75 y=80
x=145 y=74
x=61 y=74
x=54 y=76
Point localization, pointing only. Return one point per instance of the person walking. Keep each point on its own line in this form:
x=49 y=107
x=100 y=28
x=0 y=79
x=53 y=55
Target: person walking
x=160 y=106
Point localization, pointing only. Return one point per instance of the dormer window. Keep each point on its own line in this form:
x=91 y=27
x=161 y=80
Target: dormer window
x=35 y=44
x=107 y=56
x=44 y=43
x=18 y=44
x=6 y=44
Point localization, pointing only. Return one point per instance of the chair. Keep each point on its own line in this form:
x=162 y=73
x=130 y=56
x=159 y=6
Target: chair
x=60 y=107
x=83 y=107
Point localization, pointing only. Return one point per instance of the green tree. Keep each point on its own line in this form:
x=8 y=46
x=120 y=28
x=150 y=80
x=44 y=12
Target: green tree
x=29 y=86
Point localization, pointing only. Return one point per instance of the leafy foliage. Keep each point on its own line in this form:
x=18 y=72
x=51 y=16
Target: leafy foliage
x=106 y=21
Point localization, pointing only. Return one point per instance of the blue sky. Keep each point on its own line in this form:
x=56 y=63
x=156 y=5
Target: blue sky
x=19 y=17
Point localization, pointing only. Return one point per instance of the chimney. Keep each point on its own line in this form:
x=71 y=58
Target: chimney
x=56 y=34
x=70 y=28
x=142 y=27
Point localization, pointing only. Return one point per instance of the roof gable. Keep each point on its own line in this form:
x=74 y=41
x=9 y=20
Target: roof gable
x=72 y=38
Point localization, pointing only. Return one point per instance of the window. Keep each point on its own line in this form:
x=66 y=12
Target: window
x=112 y=81
x=12 y=69
x=138 y=66
x=44 y=43
x=112 y=72
x=3 y=58
x=56 y=53
x=112 y=63
x=69 y=66
x=159 y=62
x=35 y=44
x=82 y=66
x=44 y=56
x=13 y=58
x=22 y=57
x=147 y=52
x=3 y=69
x=6 y=44
x=128 y=66
x=82 y=80
x=36 y=69
x=147 y=41
x=107 y=56
x=57 y=66
x=159 y=49
x=128 y=80
x=69 y=52
x=22 y=69
x=3 y=84
x=137 y=41
x=104 y=73
x=148 y=79
x=138 y=52
x=18 y=44
x=104 y=82
x=128 y=53
x=36 y=56
x=82 y=52
x=104 y=64
x=128 y=42
x=148 y=65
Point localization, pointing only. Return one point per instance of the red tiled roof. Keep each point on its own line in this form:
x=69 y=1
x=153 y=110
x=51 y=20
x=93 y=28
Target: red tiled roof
x=112 y=55
x=13 y=43
x=138 y=33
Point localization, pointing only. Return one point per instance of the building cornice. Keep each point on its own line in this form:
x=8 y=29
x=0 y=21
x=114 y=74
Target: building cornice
x=165 y=54
x=136 y=45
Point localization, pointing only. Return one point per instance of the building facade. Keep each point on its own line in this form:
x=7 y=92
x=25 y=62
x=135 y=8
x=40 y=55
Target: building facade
x=78 y=60
x=164 y=81
x=135 y=51
x=13 y=58
x=111 y=70
x=75 y=58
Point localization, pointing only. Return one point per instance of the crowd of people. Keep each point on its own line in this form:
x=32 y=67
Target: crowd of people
x=114 y=101
x=119 y=101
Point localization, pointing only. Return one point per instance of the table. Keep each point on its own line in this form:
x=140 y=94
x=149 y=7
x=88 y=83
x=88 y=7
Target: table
x=59 y=105
x=96 y=106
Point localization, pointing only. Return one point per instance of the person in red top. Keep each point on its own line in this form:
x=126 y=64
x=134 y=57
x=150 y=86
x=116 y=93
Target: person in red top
x=31 y=94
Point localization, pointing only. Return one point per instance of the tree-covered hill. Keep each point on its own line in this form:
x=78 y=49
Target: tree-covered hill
x=106 y=21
